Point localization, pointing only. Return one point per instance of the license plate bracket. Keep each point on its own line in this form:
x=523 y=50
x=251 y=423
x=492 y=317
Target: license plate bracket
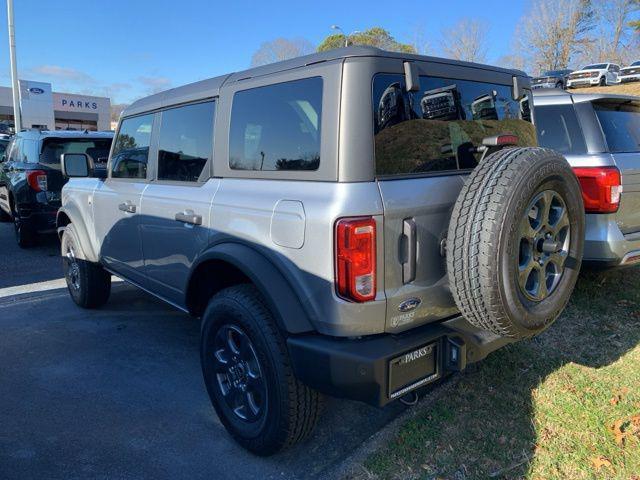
x=413 y=369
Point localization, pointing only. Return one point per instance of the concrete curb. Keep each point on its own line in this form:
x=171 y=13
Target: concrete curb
x=353 y=465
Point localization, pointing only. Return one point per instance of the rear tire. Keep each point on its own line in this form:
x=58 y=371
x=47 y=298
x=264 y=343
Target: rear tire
x=257 y=398
x=515 y=241
x=89 y=284
x=25 y=236
x=4 y=216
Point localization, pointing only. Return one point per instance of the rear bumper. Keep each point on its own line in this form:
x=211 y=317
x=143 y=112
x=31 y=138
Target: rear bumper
x=359 y=369
x=38 y=217
x=606 y=246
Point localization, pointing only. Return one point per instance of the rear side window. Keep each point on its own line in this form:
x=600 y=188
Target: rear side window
x=558 y=129
x=53 y=148
x=277 y=127
x=186 y=142
x=131 y=150
x=438 y=128
x=620 y=123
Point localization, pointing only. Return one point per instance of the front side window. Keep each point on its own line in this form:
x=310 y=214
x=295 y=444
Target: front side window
x=277 y=127
x=186 y=142
x=620 y=122
x=441 y=127
x=131 y=150
x=558 y=129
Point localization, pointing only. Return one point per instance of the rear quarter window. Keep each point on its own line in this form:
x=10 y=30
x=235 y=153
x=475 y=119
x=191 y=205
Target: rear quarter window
x=277 y=127
x=558 y=129
x=620 y=123
x=436 y=129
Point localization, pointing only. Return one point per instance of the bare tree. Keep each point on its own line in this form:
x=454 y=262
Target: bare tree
x=466 y=40
x=614 y=37
x=281 y=49
x=553 y=33
x=419 y=40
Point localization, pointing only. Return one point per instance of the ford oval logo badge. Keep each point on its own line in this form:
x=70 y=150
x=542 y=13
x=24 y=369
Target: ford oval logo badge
x=409 y=304
x=36 y=90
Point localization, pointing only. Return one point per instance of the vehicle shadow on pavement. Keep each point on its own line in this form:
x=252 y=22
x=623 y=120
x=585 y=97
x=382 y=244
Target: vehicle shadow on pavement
x=117 y=392
x=522 y=408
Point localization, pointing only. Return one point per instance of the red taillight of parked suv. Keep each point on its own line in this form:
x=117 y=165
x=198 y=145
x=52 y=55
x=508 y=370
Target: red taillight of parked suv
x=601 y=188
x=37 y=180
x=356 y=258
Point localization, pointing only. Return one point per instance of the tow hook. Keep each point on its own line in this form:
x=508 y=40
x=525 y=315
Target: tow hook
x=410 y=399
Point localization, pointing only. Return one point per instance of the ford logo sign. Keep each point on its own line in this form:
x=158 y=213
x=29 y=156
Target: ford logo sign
x=409 y=304
x=36 y=90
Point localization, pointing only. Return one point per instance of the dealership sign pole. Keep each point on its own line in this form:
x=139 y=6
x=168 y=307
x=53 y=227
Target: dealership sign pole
x=14 y=69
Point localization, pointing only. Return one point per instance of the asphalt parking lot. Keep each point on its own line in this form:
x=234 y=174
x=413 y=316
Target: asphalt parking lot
x=118 y=393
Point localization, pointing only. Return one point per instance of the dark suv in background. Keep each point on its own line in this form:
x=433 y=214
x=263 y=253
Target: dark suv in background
x=551 y=79
x=31 y=179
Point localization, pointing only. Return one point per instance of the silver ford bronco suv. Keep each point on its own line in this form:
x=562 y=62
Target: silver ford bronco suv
x=357 y=223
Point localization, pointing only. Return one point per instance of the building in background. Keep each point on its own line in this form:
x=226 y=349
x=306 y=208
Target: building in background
x=43 y=108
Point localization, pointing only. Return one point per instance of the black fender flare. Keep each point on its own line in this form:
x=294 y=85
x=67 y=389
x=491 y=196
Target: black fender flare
x=281 y=297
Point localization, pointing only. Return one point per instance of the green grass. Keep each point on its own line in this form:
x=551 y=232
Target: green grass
x=542 y=408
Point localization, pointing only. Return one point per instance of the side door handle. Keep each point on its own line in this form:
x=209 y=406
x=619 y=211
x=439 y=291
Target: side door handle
x=127 y=207
x=188 y=216
x=411 y=250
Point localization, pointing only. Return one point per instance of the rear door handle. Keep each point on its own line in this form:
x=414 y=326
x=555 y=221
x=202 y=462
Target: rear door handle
x=127 y=207
x=188 y=216
x=411 y=241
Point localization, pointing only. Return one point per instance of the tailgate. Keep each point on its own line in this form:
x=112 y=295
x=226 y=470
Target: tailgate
x=628 y=216
x=620 y=122
x=426 y=142
x=416 y=216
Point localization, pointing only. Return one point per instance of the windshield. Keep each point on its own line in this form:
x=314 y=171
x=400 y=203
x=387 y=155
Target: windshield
x=595 y=66
x=555 y=73
x=635 y=64
x=96 y=148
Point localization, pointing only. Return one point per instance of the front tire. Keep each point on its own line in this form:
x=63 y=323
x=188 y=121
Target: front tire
x=249 y=377
x=88 y=283
x=515 y=241
x=603 y=82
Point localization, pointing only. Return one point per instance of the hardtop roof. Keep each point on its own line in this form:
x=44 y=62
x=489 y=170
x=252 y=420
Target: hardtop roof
x=211 y=87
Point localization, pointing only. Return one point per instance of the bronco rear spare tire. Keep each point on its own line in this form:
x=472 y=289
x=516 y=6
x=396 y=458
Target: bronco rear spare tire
x=515 y=241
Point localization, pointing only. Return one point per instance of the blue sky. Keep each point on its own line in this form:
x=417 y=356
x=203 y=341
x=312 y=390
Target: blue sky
x=128 y=49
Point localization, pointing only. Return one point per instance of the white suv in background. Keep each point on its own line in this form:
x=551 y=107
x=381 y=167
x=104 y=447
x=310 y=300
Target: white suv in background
x=630 y=73
x=601 y=74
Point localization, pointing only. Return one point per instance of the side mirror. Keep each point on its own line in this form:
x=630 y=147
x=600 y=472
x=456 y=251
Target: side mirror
x=76 y=165
x=520 y=84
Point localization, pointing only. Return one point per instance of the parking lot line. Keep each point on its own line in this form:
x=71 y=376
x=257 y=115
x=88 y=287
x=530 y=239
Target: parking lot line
x=37 y=287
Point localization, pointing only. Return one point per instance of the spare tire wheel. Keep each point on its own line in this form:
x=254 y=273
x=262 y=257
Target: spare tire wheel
x=515 y=241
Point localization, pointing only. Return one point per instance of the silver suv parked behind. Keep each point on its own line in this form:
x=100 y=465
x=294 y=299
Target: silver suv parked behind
x=330 y=218
x=600 y=137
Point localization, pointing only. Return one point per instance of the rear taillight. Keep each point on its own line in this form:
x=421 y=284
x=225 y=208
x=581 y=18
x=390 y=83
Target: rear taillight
x=37 y=180
x=356 y=258
x=601 y=188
